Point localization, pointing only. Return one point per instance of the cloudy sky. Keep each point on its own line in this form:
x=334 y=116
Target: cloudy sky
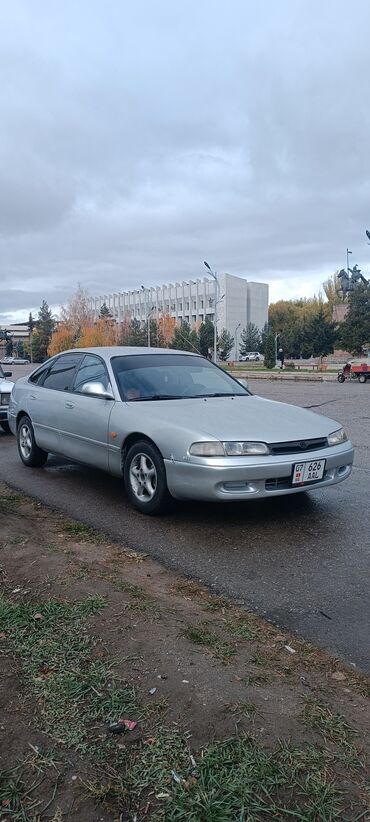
x=139 y=138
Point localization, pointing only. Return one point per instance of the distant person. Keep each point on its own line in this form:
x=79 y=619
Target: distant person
x=280 y=357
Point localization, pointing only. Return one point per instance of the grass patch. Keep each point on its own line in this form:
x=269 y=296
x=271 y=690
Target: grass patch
x=9 y=503
x=20 y=787
x=77 y=695
x=200 y=635
x=246 y=709
x=242 y=628
x=73 y=689
x=236 y=781
x=81 y=531
x=332 y=726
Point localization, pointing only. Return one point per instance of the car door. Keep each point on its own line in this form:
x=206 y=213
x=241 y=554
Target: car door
x=84 y=419
x=47 y=388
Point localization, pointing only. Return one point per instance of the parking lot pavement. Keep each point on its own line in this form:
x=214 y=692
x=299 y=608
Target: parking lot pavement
x=302 y=561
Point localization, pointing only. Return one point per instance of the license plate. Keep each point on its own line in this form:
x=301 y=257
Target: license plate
x=308 y=471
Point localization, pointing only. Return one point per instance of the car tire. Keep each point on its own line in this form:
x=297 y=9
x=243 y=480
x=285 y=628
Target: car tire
x=362 y=378
x=29 y=452
x=341 y=378
x=145 y=479
x=6 y=427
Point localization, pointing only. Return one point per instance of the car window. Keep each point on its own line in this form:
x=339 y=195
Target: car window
x=38 y=376
x=61 y=374
x=171 y=377
x=91 y=369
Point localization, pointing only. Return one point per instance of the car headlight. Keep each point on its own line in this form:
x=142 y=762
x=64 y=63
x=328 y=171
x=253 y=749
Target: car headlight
x=228 y=449
x=207 y=449
x=4 y=399
x=246 y=449
x=337 y=437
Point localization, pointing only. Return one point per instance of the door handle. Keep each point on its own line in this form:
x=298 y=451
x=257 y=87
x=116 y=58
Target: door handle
x=32 y=396
x=69 y=405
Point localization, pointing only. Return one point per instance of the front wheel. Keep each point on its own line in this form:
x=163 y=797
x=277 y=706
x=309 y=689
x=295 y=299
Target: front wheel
x=341 y=378
x=5 y=426
x=362 y=378
x=145 y=478
x=29 y=452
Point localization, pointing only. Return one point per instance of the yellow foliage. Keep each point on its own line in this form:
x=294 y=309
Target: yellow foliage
x=166 y=325
x=61 y=339
x=102 y=332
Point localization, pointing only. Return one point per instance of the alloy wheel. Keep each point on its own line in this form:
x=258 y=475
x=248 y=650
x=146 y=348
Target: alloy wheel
x=143 y=477
x=25 y=441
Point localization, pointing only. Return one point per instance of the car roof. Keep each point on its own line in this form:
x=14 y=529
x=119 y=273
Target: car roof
x=126 y=350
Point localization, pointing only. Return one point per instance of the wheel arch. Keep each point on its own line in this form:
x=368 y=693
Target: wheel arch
x=20 y=415
x=131 y=439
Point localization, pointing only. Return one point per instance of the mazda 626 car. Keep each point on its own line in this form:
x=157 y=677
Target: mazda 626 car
x=173 y=425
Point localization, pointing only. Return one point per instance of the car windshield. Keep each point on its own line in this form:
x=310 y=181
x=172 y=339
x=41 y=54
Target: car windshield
x=143 y=377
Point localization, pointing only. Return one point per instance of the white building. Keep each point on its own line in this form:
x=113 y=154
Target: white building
x=241 y=302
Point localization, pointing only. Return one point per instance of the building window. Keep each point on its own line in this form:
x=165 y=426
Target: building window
x=202 y=303
x=187 y=305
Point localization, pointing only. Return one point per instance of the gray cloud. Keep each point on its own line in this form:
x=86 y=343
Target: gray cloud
x=136 y=141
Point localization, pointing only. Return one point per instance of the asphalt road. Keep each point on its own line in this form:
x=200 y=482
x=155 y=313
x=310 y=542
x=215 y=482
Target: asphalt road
x=301 y=561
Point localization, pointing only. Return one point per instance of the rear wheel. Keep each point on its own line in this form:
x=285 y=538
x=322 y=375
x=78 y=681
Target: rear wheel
x=29 y=452
x=362 y=378
x=145 y=478
x=5 y=426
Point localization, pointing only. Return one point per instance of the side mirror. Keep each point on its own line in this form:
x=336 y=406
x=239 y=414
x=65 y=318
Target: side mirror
x=96 y=389
x=8 y=373
x=244 y=383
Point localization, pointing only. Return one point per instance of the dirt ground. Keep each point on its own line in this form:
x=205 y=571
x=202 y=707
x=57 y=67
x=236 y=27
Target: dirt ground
x=92 y=634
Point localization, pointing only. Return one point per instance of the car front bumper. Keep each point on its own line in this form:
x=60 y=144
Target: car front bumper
x=3 y=413
x=234 y=478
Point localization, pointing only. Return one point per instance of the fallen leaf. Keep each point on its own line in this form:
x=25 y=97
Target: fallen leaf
x=338 y=676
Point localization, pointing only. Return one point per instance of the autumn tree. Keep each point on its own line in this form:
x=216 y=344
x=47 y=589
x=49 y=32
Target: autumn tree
x=333 y=293
x=101 y=332
x=62 y=339
x=167 y=325
x=76 y=312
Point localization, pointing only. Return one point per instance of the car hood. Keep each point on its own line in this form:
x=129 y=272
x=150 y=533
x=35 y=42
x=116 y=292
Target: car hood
x=239 y=418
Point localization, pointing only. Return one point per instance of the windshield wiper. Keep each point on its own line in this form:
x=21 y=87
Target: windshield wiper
x=157 y=397
x=222 y=394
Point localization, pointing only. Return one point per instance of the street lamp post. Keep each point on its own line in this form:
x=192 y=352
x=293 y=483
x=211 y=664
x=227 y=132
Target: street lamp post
x=348 y=252
x=217 y=287
x=236 y=341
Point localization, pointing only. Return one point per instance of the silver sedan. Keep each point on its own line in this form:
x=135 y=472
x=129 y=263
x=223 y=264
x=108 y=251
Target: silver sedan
x=173 y=425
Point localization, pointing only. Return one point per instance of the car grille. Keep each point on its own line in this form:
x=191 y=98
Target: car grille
x=282 y=483
x=297 y=446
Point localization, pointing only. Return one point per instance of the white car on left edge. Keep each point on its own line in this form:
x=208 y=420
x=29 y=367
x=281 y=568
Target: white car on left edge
x=5 y=391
